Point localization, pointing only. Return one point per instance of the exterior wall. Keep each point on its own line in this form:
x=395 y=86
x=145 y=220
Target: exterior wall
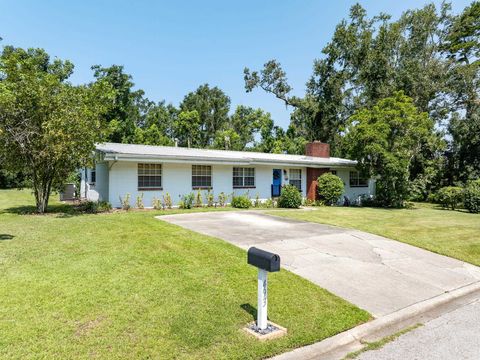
x=98 y=190
x=353 y=193
x=177 y=181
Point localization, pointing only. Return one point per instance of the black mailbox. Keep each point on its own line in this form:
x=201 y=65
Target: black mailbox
x=263 y=259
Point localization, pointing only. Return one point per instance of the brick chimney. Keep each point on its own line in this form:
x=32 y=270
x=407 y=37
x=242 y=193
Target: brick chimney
x=317 y=149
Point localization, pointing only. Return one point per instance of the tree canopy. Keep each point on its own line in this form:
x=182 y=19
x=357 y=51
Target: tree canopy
x=48 y=127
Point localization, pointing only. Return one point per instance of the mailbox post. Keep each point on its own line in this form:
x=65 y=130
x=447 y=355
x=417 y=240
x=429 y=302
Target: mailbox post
x=265 y=262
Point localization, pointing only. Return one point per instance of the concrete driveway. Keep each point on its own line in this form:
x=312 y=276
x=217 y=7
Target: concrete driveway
x=375 y=273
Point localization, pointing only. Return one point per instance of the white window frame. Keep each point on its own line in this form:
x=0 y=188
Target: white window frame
x=202 y=173
x=295 y=178
x=356 y=180
x=149 y=176
x=245 y=178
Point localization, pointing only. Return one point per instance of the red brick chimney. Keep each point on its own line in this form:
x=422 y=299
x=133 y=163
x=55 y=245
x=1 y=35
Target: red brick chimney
x=317 y=149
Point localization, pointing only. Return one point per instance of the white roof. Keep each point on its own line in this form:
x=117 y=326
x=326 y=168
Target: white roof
x=134 y=152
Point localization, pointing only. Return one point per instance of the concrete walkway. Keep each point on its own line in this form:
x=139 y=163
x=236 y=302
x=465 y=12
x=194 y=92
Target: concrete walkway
x=377 y=274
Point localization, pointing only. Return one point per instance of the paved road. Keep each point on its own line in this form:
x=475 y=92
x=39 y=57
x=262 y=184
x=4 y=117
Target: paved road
x=375 y=273
x=452 y=336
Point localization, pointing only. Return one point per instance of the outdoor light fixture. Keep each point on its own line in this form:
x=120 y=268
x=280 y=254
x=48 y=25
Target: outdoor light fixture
x=265 y=262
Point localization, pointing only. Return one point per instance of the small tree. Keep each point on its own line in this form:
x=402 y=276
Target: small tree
x=450 y=196
x=385 y=139
x=329 y=187
x=48 y=127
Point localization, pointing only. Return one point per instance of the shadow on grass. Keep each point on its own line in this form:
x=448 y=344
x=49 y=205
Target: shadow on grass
x=60 y=210
x=6 y=237
x=250 y=309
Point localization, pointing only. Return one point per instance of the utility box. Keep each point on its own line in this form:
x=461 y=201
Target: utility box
x=263 y=259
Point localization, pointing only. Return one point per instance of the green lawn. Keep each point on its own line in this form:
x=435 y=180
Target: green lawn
x=124 y=285
x=451 y=233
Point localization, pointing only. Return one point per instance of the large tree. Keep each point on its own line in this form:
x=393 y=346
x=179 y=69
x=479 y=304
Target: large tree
x=212 y=106
x=462 y=46
x=385 y=139
x=367 y=59
x=48 y=127
x=126 y=113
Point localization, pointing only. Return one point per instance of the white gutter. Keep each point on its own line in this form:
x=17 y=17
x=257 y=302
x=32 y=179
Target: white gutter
x=224 y=161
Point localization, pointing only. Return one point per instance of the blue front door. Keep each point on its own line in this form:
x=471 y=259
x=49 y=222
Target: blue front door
x=276 y=182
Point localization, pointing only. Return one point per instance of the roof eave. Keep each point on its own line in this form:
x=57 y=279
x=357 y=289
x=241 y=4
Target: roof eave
x=115 y=156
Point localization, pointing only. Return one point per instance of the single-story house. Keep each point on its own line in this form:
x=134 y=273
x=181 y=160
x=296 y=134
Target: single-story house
x=155 y=170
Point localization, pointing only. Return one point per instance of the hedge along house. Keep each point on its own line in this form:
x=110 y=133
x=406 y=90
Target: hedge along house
x=122 y=169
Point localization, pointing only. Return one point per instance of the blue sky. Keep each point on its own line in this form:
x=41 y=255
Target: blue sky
x=170 y=48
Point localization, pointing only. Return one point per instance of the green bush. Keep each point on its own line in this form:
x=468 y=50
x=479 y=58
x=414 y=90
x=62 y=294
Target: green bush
x=199 y=199
x=167 y=201
x=290 y=197
x=139 y=203
x=330 y=187
x=450 y=196
x=125 y=202
x=94 y=207
x=471 y=200
x=241 y=202
x=187 y=201
x=222 y=199
x=156 y=203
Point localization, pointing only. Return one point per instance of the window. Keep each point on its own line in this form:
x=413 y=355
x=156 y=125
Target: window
x=93 y=176
x=296 y=178
x=201 y=176
x=356 y=180
x=243 y=177
x=149 y=176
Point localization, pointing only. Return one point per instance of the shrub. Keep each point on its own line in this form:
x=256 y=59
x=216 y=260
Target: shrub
x=270 y=203
x=210 y=199
x=167 y=201
x=125 y=202
x=330 y=187
x=139 y=203
x=257 y=201
x=157 y=205
x=290 y=197
x=222 y=199
x=432 y=198
x=471 y=200
x=198 y=199
x=93 y=207
x=308 y=202
x=450 y=196
x=187 y=201
x=241 y=202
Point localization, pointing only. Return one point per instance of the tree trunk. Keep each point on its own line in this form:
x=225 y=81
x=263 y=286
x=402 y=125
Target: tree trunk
x=42 y=189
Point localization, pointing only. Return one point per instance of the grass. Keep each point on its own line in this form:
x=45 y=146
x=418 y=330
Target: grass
x=451 y=233
x=375 y=345
x=125 y=285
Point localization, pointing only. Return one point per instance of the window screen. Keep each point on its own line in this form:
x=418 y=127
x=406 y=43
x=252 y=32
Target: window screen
x=201 y=176
x=356 y=180
x=149 y=176
x=243 y=177
x=296 y=178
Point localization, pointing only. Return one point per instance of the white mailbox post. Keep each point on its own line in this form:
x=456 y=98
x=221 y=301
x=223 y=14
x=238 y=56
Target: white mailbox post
x=262 y=299
x=265 y=262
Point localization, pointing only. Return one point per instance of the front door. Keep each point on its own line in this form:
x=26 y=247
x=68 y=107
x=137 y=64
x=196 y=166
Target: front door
x=276 y=182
